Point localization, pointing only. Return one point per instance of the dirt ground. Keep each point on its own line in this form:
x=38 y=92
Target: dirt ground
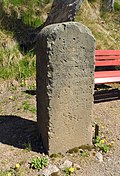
x=19 y=142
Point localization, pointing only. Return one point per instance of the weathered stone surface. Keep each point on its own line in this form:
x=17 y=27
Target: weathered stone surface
x=65 y=77
x=66 y=164
x=50 y=170
x=99 y=156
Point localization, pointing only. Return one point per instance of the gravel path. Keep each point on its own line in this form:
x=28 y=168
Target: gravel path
x=18 y=135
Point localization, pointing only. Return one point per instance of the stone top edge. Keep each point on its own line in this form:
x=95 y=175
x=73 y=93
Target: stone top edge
x=55 y=27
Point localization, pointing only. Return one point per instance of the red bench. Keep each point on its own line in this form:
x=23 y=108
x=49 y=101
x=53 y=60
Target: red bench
x=107 y=59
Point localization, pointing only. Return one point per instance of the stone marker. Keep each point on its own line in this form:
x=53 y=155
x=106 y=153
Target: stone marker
x=65 y=81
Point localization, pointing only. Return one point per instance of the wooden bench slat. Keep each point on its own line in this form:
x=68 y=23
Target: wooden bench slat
x=106 y=74
x=107 y=63
x=107 y=52
x=107 y=57
x=106 y=80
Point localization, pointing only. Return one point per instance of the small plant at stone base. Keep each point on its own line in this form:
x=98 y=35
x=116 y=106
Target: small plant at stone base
x=69 y=171
x=101 y=145
x=39 y=163
x=84 y=154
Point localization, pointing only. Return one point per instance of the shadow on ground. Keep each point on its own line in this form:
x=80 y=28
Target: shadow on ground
x=106 y=95
x=20 y=133
x=99 y=95
x=30 y=92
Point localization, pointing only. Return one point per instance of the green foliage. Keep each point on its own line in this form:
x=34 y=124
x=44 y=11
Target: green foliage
x=29 y=18
x=3 y=173
x=99 y=143
x=27 y=11
x=116 y=6
x=26 y=67
x=33 y=109
x=96 y=140
x=24 y=2
x=68 y=171
x=27 y=107
x=32 y=87
x=84 y=154
x=7 y=173
x=13 y=171
x=39 y=163
x=91 y=1
x=12 y=67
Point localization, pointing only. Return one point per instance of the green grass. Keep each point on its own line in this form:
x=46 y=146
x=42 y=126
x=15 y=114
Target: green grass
x=11 y=66
x=13 y=63
x=16 y=17
x=68 y=171
x=117 y=6
x=26 y=68
x=26 y=106
x=28 y=11
x=84 y=154
x=7 y=173
x=102 y=24
x=32 y=86
x=13 y=171
x=3 y=173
